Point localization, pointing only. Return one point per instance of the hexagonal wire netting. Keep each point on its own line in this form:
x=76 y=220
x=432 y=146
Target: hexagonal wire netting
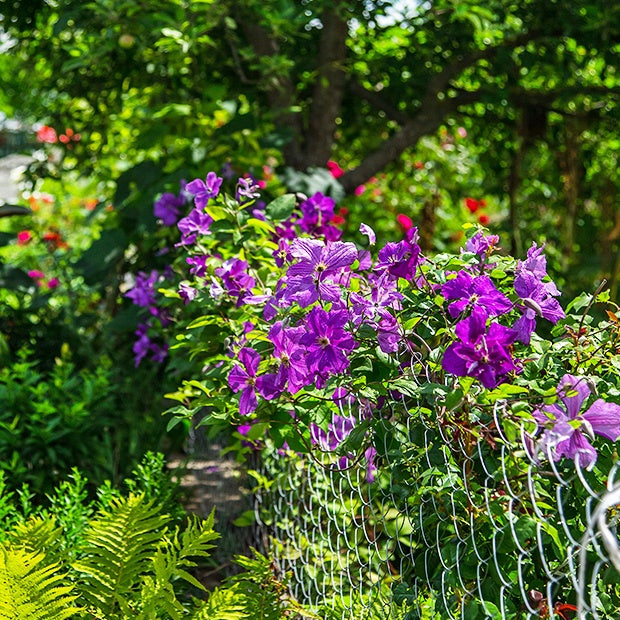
x=455 y=524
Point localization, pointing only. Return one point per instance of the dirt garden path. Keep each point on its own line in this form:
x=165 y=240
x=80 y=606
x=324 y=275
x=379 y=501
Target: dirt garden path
x=214 y=482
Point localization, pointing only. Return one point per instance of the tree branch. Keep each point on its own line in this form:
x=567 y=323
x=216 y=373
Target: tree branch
x=432 y=112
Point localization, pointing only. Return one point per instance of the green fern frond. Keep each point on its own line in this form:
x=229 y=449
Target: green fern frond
x=32 y=590
x=223 y=604
x=266 y=597
x=120 y=544
x=39 y=533
x=196 y=539
x=158 y=600
x=177 y=550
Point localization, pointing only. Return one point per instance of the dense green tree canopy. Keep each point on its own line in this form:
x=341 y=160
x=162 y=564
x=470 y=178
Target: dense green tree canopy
x=200 y=81
x=316 y=73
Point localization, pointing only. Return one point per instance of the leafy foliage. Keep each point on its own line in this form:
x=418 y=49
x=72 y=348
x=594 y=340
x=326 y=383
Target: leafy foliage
x=124 y=556
x=31 y=589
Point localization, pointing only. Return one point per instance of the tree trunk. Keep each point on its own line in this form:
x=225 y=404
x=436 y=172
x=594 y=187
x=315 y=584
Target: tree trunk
x=328 y=90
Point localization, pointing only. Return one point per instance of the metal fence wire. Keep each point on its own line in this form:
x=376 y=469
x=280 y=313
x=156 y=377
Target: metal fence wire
x=460 y=521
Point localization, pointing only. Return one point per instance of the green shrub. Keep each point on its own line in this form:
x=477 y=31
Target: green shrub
x=124 y=556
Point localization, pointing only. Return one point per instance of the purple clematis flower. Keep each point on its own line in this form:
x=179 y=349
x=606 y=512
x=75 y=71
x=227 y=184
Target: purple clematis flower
x=567 y=429
x=327 y=342
x=248 y=189
x=166 y=208
x=187 y=293
x=318 y=268
x=243 y=378
x=143 y=292
x=291 y=358
x=196 y=223
x=482 y=244
x=537 y=301
x=204 y=190
x=198 y=265
x=376 y=293
x=479 y=291
x=316 y=215
x=283 y=254
x=481 y=353
x=400 y=259
x=237 y=282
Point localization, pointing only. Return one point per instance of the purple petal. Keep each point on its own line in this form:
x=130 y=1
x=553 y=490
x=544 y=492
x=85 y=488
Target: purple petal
x=578 y=446
x=250 y=359
x=307 y=249
x=341 y=254
x=197 y=186
x=604 y=419
x=248 y=401
x=369 y=232
x=237 y=378
x=573 y=391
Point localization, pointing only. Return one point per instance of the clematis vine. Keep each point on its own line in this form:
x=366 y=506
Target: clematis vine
x=567 y=430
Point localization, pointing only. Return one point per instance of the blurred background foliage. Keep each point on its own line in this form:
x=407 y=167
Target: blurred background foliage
x=440 y=112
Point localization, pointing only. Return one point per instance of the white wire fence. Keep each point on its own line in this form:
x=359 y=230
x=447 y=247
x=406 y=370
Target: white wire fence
x=460 y=521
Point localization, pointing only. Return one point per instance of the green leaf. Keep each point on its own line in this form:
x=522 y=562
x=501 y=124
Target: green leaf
x=281 y=208
x=260 y=226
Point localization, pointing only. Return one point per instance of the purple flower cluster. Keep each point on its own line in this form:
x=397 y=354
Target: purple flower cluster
x=143 y=294
x=484 y=348
x=325 y=300
x=317 y=276
x=481 y=352
x=537 y=297
x=314 y=218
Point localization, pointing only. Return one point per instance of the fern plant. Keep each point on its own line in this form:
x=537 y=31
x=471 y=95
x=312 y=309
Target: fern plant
x=120 y=544
x=31 y=589
x=127 y=560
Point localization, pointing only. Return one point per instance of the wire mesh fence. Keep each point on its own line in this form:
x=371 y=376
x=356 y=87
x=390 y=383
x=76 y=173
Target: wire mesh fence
x=460 y=519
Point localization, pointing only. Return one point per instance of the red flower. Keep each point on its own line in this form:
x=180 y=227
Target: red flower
x=405 y=221
x=360 y=189
x=69 y=136
x=483 y=218
x=23 y=237
x=419 y=165
x=335 y=169
x=337 y=220
x=37 y=276
x=472 y=204
x=55 y=239
x=47 y=134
